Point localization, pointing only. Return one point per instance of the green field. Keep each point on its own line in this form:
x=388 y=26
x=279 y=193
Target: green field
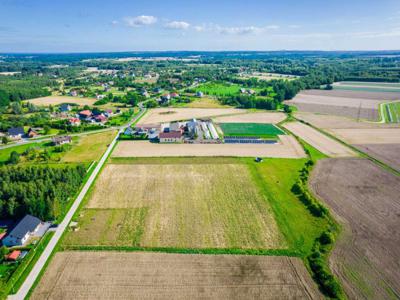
x=392 y=112
x=368 y=86
x=250 y=129
x=219 y=89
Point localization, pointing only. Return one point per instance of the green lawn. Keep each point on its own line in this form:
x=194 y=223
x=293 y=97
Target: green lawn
x=219 y=89
x=250 y=129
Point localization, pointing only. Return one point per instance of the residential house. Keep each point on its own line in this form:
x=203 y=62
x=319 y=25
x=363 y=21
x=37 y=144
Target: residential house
x=99 y=97
x=174 y=95
x=16 y=132
x=165 y=98
x=22 y=232
x=61 y=140
x=65 y=107
x=199 y=94
x=32 y=132
x=108 y=113
x=101 y=119
x=129 y=131
x=171 y=137
x=84 y=114
x=73 y=93
x=74 y=122
x=13 y=256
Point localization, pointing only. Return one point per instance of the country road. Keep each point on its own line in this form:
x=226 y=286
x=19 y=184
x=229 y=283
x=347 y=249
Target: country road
x=34 y=274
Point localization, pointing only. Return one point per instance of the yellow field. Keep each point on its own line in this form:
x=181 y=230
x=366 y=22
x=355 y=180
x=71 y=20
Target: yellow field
x=188 y=206
x=89 y=147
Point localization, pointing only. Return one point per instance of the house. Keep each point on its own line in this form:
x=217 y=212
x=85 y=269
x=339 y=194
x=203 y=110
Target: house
x=16 y=132
x=157 y=90
x=199 y=94
x=251 y=92
x=170 y=137
x=129 y=131
x=74 y=122
x=73 y=93
x=174 y=95
x=32 y=132
x=165 y=98
x=84 y=114
x=108 y=113
x=100 y=119
x=13 y=256
x=99 y=97
x=65 y=107
x=21 y=233
x=61 y=140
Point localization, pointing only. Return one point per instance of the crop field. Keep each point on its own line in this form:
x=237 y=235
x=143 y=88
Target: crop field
x=89 y=147
x=128 y=275
x=269 y=76
x=387 y=96
x=368 y=86
x=387 y=153
x=286 y=147
x=392 y=112
x=185 y=206
x=160 y=115
x=318 y=140
x=364 y=198
x=250 y=129
x=259 y=117
x=219 y=89
x=368 y=136
x=205 y=102
x=57 y=100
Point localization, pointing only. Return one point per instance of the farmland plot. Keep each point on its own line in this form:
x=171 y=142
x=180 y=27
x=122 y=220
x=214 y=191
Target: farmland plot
x=365 y=199
x=259 y=117
x=124 y=275
x=57 y=100
x=188 y=206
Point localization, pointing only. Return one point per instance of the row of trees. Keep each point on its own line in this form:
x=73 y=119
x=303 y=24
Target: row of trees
x=42 y=191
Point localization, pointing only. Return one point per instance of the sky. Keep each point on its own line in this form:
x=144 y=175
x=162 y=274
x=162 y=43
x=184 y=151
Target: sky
x=32 y=26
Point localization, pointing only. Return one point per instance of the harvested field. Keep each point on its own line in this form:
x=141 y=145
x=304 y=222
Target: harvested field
x=354 y=94
x=368 y=136
x=57 y=100
x=287 y=147
x=358 y=108
x=89 y=147
x=263 y=117
x=365 y=199
x=187 y=206
x=387 y=153
x=332 y=122
x=128 y=275
x=159 y=115
x=318 y=140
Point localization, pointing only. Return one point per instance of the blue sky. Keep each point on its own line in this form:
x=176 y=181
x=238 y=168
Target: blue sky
x=89 y=25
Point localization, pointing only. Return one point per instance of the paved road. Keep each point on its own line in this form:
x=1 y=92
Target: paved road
x=33 y=275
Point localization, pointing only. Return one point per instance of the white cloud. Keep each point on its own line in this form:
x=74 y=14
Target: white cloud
x=238 y=30
x=114 y=22
x=199 y=28
x=179 y=25
x=140 y=21
x=272 y=27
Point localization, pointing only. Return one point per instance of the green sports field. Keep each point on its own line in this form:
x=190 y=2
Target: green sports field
x=392 y=112
x=250 y=129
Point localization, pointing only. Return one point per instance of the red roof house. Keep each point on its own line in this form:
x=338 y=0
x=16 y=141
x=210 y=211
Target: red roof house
x=85 y=113
x=13 y=255
x=2 y=235
x=101 y=119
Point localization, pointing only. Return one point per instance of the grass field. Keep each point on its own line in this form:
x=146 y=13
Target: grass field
x=392 y=112
x=204 y=102
x=219 y=89
x=367 y=86
x=89 y=147
x=189 y=205
x=250 y=129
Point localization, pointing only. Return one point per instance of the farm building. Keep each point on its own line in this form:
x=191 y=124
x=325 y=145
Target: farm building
x=13 y=256
x=32 y=132
x=85 y=114
x=16 y=132
x=61 y=140
x=171 y=137
x=21 y=233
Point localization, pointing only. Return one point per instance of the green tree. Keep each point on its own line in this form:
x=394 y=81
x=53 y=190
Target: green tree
x=16 y=108
x=5 y=140
x=14 y=158
x=46 y=129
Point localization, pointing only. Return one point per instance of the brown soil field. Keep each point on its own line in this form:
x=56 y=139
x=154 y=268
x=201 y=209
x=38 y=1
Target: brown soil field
x=263 y=117
x=332 y=122
x=387 y=96
x=318 y=140
x=356 y=107
x=387 y=153
x=287 y=147
x=365 y=198
x=159 y=115
x=368 y=136
x=129 y=275
x=56 y=100
x=188 y=206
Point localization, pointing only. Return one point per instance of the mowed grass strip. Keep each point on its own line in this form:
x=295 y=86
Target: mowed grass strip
x=189 y=205
x=250 y=129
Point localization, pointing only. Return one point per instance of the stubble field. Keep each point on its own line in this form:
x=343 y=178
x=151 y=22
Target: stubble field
x=364 y=198
x=111 y=275
x=57 y=100
x=181 y=205
x=159 y=115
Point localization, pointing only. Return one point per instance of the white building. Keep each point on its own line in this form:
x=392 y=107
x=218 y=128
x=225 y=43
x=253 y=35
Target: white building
x=22 y=232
